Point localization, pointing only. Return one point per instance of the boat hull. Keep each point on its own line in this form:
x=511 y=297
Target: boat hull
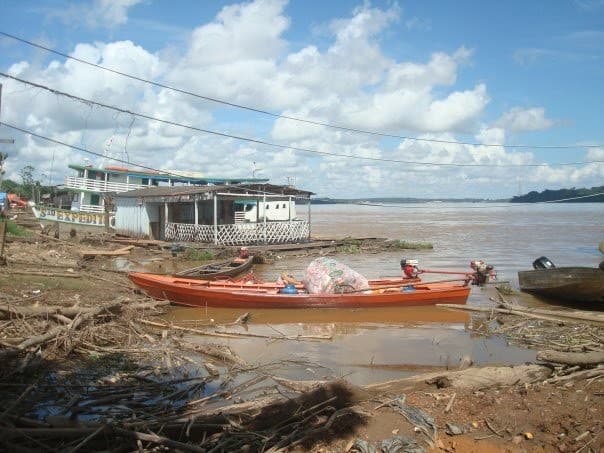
x=199 y=293
x=571 y=284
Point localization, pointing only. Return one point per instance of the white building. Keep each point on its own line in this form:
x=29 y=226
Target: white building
x=221 y=214
x=91 y=187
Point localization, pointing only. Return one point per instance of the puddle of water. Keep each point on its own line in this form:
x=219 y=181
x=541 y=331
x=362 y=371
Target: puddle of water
x=368 y=345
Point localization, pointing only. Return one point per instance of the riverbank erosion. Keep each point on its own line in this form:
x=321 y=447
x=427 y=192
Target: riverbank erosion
x=90 y=364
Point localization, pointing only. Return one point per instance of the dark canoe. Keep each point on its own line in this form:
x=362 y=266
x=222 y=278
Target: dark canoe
x=219 y=270
x=570 y=284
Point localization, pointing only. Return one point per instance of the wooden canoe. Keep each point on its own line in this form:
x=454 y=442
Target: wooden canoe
x=218 y=270
x=200 y=293
x=571 y=284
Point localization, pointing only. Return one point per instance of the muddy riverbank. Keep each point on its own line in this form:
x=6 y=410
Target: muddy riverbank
x=90 y=364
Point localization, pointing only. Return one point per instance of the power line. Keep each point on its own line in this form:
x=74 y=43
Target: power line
x=176 y=175
x=277 y=115
x=84 y=150
x=276 y=145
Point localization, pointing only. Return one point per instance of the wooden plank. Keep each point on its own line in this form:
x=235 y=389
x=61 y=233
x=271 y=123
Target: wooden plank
x=117 y=252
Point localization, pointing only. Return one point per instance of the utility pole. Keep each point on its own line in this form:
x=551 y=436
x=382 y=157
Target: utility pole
x=3 y=223
x=3 y=140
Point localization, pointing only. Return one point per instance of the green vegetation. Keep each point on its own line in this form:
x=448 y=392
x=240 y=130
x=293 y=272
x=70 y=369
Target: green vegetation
x=15 y=230
x=405 y=245
x=350 y=245
x=593 y=195
x=198 y=255
x=30 y=188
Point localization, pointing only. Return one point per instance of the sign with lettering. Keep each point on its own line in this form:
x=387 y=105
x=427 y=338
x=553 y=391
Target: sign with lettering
x=63 y=215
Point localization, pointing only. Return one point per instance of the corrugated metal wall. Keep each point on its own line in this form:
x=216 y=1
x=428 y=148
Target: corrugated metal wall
x=131 y=217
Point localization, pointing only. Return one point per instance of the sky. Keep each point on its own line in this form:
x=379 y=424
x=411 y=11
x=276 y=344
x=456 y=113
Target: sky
x=347 y=99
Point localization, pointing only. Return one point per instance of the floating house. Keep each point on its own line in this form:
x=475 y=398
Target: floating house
x=233 y=214
x=86 y=204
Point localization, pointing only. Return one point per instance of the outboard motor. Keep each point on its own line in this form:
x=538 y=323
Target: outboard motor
x=482 y=272
x=409 y=268
x=543 y=263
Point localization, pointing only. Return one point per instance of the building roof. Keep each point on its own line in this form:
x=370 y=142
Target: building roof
x=172 y=175
x=234 y=189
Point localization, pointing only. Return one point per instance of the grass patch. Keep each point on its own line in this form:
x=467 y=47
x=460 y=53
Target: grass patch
x=350 y=245
x=198 y=255
x=406 y=245
x=349 y=248
x=15 y=230
x=505 y=289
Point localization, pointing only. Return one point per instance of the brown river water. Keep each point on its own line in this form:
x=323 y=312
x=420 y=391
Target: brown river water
x=372 y=345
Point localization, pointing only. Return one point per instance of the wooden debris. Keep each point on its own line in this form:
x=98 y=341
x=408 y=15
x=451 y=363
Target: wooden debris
x=117 y=252
x=471 y=378
x=572 y=358
x=543 y=314
x=45 y=274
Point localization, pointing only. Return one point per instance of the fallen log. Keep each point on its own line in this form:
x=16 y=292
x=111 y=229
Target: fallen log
x=56 y=331
x=574 y=314
x=45 y=274
x=572 y=358
x=554 y=316
x=471 y=378
x=39 y=311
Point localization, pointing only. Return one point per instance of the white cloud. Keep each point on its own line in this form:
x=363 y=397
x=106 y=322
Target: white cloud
x=522 y=120
x=93 y=14
x=243 y=56
x=110 y=12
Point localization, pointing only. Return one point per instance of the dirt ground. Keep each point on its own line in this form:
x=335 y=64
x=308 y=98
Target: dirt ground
x=563 y=416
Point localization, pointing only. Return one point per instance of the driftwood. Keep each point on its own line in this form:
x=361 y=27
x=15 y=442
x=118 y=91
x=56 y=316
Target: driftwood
x=471 y=378
x=46 y=274
x=9 y=310
x=574 y=314
x=550 y=316
x=41 y=311
x=572 y=358
x=56 y=331
x=222 y=354
x=117 y=252
x=228 y=334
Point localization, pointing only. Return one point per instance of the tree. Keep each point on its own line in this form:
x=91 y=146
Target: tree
x=27 y=180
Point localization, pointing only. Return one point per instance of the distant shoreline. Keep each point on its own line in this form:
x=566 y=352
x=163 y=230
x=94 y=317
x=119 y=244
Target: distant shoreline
x=384 y=201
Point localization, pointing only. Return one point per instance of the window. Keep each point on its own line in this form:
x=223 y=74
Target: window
x=267 y=206
x=277 y=207
x=283 y=205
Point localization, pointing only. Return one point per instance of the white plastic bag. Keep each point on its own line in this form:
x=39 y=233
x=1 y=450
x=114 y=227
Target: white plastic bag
x=328 y=276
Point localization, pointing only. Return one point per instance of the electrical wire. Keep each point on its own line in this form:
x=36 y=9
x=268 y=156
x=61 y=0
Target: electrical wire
x=277 y=115
x=276 y=145
x=94 y=153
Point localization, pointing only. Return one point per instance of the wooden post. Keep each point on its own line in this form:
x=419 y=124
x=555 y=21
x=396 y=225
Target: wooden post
x=215 y=218
x=2 y=239
x=165 y=218
x=309 y=217
x=196 y=210
x=289 y=225
x=264 y=206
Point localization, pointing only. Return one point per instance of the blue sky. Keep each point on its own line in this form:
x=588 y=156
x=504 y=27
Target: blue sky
x=505 y=73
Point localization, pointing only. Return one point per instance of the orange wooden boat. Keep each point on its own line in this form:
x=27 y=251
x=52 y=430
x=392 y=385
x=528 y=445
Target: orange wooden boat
x=239 y=294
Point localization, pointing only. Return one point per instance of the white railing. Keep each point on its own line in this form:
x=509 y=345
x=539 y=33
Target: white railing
x=240 y=233
x=95 y=185
x=239 y=216
x=91 y=208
